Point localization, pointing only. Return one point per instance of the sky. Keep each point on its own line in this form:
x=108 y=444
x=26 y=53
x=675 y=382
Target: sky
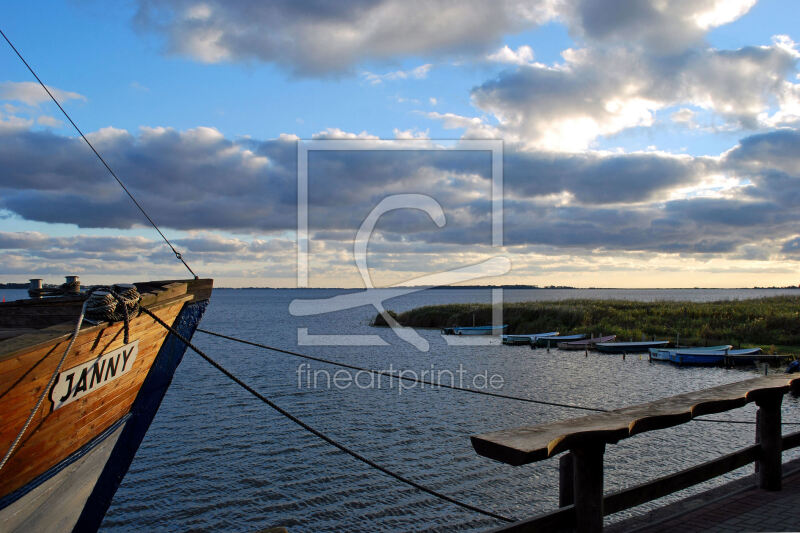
x=645 y=143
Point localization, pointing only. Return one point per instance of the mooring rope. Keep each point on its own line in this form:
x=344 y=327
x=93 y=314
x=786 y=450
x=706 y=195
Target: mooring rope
x=124 y=188
x=399 y=375
x=318 y=433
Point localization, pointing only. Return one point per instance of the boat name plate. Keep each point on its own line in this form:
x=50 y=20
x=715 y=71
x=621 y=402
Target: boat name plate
x=78 y=381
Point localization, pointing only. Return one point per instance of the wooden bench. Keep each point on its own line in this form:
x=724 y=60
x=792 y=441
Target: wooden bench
x=585 y=438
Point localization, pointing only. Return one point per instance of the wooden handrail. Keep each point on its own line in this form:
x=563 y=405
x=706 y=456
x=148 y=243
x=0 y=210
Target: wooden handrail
x=581 y=471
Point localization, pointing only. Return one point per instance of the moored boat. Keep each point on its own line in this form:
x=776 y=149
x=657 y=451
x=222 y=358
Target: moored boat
x=629 y=347
x=553 y=340
x=474 y=330
x=93 y=391
x=710 y=358
x=663 y=354
x=526 y=338
x=584 y=344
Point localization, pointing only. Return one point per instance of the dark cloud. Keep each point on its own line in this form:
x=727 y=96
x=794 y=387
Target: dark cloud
x=198 y=180
x=318 y=37
x=791 y=247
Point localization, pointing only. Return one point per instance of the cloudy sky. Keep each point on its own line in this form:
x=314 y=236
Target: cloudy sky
x=646 y=143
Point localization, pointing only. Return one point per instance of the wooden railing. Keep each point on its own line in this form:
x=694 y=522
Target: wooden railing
x=582 y=503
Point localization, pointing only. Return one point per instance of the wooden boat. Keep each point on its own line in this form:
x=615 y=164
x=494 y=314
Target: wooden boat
x=65 y=468
x=663 y=354
x=474 y=330
x=629 y=347
x=583 y=344
x=526 y=338
x=553 y=340
x=710 y=358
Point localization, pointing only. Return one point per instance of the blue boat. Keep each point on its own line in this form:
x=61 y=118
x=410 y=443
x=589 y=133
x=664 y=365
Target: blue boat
x=629 y=347
x=474 y=330
x=526 y=338
x=663 y=354
x=708 y=358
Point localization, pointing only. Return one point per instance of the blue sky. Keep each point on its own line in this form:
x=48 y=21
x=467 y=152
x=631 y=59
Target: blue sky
x=645 y=144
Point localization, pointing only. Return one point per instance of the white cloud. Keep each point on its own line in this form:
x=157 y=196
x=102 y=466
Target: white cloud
x=33 y=94
x=523 y=55
x=418 y=73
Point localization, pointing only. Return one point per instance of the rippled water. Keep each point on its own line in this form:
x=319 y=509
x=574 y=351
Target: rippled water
x=216 y=459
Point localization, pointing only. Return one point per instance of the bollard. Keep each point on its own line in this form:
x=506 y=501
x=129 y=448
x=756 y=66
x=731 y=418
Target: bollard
x=35 y=284
x=73 y=284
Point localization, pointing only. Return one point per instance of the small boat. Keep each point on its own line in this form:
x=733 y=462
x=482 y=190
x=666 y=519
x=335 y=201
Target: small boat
x=553 y=340
x=526 y=338
x=696 y=357
x=585 y=343
x=663 y=354
x=629 y=347
x=474 y=330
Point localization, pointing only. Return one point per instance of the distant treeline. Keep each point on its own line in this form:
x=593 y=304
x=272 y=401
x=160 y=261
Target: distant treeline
x=14 y=285
x=765 y=322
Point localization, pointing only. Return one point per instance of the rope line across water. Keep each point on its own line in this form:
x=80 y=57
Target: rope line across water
x=399 y=375
x=318 y=433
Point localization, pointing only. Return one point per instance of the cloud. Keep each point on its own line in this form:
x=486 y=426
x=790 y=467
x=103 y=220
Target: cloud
x=198 y=180
x=418 y=73
x=32 y=94
x=668 y=27
x=600 y=91
x=523 y=55
x=333 y=37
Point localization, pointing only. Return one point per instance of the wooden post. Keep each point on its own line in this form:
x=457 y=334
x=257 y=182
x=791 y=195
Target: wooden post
x=566 y=477
x=588 y=487
x=768 y=426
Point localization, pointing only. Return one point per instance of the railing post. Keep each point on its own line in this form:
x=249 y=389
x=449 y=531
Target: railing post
x=566 y=478
x=588 y=486
x=768 y=427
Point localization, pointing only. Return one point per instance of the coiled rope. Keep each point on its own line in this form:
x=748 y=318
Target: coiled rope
x=318 y=433
x=401 y=376
x=103 y=161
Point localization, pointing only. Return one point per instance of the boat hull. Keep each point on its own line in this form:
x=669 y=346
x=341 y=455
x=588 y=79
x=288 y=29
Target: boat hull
x=73 y=457
x=474 y=330
x=585 y=343
x=543 y=342
x=524 y=339
x=629 y=347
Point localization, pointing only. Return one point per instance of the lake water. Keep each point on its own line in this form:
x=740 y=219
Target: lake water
x=217 y=459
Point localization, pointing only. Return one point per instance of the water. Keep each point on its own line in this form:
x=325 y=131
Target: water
x=217 y=459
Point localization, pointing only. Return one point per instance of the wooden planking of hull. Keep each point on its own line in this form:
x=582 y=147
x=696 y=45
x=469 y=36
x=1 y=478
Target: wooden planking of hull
x=83 y=437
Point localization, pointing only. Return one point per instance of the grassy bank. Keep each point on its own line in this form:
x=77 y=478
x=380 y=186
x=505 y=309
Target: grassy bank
x=772 y=323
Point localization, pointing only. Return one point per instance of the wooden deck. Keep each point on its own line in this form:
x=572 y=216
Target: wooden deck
x=581 y=497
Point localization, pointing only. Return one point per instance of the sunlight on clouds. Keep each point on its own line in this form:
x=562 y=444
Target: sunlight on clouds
x=710 y=186
x=722 y=12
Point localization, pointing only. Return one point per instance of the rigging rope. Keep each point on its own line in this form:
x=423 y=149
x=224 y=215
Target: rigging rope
x=400 y=375
x=124 y=188
x=318 y=433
